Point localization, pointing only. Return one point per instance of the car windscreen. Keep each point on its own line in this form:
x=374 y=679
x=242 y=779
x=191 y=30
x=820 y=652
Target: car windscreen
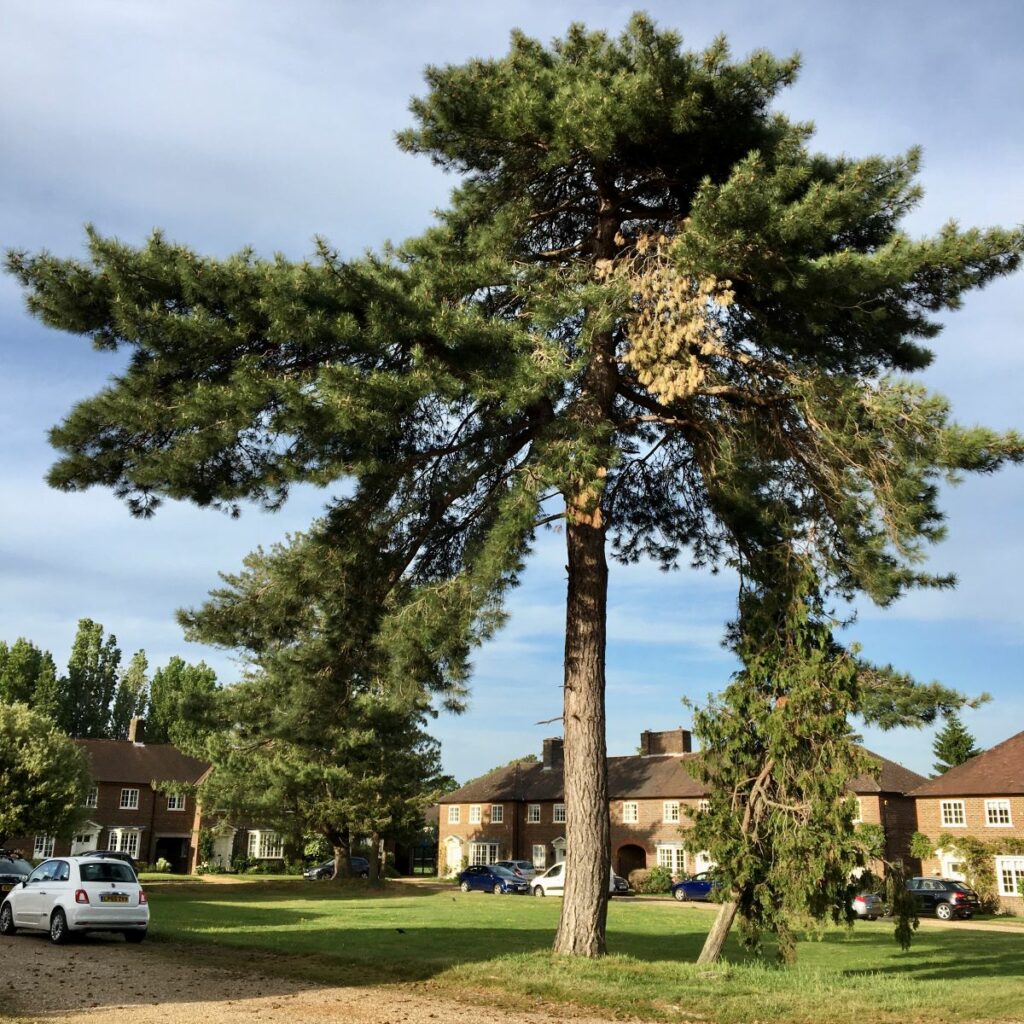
x=15 y=867
x=107 y=871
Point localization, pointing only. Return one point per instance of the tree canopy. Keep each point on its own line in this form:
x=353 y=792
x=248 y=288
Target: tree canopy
x=650 y=310
x=44 y=776
x=953 y=744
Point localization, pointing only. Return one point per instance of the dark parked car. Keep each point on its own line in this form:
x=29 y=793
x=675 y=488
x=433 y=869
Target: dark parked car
x=696 y=888
x=13 y=869
x=113 y=855
x=943 y=897
x=522 y=868
x=492 y=878
x=360 y=869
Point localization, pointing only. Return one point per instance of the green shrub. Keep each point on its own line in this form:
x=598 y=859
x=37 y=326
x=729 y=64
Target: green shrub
x=651 y=881
x=162 y=865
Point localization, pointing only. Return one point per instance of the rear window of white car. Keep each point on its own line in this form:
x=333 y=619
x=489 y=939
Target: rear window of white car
x=107 y=871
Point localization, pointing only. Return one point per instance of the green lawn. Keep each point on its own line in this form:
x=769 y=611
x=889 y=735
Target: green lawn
x=465 y=943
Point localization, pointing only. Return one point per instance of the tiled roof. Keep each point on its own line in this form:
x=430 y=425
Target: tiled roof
x=996 y=771
x=658 y=777
x=121 y=761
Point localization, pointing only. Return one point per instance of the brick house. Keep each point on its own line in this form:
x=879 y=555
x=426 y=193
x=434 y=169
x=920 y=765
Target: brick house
x=981 y=799
x=518 y=811
x=125 y=811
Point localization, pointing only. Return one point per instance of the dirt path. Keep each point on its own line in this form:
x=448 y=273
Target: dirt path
x=107 y=980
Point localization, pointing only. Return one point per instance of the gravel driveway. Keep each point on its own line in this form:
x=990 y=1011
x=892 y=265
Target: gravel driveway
x=105 y=979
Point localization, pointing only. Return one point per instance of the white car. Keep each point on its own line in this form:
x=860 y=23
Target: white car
x=552 y=883
x=69 y=895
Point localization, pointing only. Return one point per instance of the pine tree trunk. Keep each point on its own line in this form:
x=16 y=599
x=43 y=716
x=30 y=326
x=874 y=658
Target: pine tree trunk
x=581 y=930
x=376 y=874
x=714 y=943
x=341 y=861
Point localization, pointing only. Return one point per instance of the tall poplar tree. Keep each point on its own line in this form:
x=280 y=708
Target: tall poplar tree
x=648 y=308
x=87 y=691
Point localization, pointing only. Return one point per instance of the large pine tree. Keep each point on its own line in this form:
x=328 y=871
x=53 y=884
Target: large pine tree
x=953 y=744
x=650 y=311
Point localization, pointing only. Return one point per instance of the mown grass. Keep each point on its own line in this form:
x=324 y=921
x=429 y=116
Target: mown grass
x=463 y=944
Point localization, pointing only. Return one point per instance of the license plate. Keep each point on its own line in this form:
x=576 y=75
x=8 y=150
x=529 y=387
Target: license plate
x=113 y=897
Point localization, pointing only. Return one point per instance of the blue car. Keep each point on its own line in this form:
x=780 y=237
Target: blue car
x=492 y=878
x=696 y=888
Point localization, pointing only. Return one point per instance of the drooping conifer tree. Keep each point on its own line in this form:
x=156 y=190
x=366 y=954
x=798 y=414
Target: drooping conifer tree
x=648 y=305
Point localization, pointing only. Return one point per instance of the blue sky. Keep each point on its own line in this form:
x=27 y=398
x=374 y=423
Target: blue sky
x=260 y=123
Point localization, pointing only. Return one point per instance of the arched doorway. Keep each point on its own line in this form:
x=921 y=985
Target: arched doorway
x=630 y=858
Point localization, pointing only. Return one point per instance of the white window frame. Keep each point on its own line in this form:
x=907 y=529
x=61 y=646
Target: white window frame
x=703 y=806
x=129 y=800
x=483 y=853
x=951 y=809
x=454 y=814
x=92 y=798
x=124 y=840
x=670 y=812
x=540 y=856
x=474 y=814
x=264 y=844
x=497 y=814
x=533 y=814
x=672 y=857
x=994 y=808
x=630 y=812
x=1010 y=873
x=175 y=801
x=558 y=814
x=42 y=847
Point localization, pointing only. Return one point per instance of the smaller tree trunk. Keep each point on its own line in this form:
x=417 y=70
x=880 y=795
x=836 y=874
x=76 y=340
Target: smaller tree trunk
x=714 y=943
x=376 y=874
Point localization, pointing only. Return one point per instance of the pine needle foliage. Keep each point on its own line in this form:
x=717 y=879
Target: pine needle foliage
x=496 y=371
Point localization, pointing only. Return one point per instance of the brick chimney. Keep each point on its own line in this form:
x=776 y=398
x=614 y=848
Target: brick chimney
x=553 y=753
x=137 y=731
x=672 y=741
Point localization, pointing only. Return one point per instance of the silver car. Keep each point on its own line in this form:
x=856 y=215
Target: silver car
x=868 y=905
x=69 y=895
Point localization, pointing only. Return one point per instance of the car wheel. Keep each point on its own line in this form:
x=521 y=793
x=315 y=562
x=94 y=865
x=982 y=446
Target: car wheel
x=7 y=920
x=538 y=890
x=135 y=935
x=680 y=894
x=59 y=933
x=464 y=887
x=943 y=911
x=872 y=917
x=497 y=890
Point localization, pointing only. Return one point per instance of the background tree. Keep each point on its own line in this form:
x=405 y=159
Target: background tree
x=130 y=698
x=953 y=744
x=177 y=693
x=648 y=305
x=88 y=689
x=28 y=675
x=44 y=776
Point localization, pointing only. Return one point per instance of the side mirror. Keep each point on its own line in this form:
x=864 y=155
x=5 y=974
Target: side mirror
x=24 y=884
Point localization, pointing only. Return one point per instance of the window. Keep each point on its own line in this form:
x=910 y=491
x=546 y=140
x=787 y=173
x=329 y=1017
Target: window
x=474 y=814
x=559 y=814
x=672 y=858
x=176 y=802
x=497 y=814
x=483 y=853
x=92 y=797
x=670 y=811
x=858 y=812
x=953 y=813
x=1010 y=875
x=124 y=840
x=703 y=806
x=997 y=813
x=265 y=844
x=533 y=814
x=540 y=856
x=454 y=816
x=129 y=800
x=630 y=812
x=42 y=847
